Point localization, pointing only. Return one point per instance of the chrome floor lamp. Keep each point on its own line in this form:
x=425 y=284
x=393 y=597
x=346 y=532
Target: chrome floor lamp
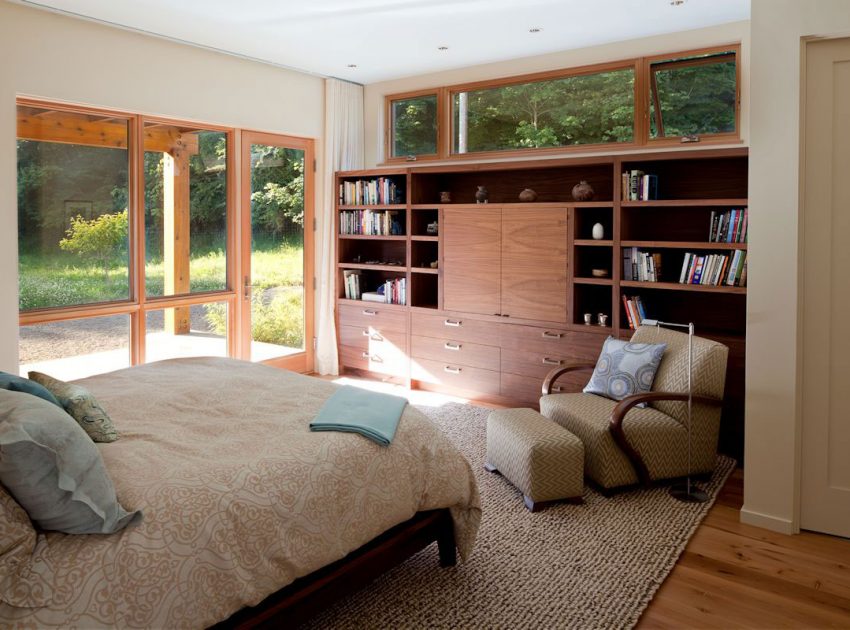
x=687 y=491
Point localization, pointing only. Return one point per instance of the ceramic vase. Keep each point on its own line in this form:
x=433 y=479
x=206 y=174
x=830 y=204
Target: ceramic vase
x=598 y=232
x=583 y=191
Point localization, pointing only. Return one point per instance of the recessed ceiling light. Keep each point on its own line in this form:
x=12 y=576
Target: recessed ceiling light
x=535 y=29
x=442 y=47
x=351 y=65
x=676 y=3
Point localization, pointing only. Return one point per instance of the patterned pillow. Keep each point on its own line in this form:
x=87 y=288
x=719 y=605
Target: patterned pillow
x=82 y=406
x=625 y=368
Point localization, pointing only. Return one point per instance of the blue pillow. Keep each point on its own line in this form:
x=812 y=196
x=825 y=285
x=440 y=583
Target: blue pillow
x=625 y=368
x=15 y=383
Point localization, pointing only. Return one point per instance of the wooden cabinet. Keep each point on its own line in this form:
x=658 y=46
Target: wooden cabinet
x=508 y=262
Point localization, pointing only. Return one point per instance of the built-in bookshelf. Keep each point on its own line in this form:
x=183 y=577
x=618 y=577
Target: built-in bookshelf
x=681 y=208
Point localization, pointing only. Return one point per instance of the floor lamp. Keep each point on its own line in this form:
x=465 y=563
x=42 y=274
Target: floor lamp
x=686 y=491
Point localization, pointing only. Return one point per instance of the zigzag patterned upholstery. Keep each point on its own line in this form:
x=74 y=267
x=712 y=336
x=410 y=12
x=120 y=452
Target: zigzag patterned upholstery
x=541 y=458
x=658 y=432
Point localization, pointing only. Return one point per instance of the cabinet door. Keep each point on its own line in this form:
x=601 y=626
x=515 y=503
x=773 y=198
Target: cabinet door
x=534 y=264
x=472 y=259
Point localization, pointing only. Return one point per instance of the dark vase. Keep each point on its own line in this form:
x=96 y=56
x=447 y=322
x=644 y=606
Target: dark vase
x=583 y=191
x=481 y=195
x=527 y=195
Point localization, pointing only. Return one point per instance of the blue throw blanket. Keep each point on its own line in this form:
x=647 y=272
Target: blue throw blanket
x=356 y=410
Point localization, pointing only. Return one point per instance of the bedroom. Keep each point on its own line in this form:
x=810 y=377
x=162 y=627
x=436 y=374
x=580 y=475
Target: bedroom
x=57 y=60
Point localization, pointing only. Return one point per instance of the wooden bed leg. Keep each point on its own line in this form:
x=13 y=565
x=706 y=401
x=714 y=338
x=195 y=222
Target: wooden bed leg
x=446 y=542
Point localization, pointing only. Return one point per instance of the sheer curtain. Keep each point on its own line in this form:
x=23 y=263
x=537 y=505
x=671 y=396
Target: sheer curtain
x=343 y=151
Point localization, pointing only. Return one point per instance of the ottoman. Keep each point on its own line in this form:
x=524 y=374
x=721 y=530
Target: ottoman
x=537 y=455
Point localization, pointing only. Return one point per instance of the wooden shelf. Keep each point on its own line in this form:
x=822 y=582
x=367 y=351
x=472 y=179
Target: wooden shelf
x=426 y=206
x=370 y=237
x=424 y=270
x=589 y=242
x=683 y=245
x=346 y=265
x=675 y=286
x=602 y=281
x=660 y=203
x=386 y=206
x=429 y=238
x=399 y=307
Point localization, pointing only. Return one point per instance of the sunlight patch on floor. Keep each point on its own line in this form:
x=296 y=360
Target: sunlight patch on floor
x=414 y=396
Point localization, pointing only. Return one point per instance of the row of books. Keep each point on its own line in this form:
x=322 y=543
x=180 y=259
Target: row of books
x=635 y=311
x=639 y=186
x=393 y=291
x=642 y=266
x=370 y=192
x=370 y=222
x=729 y=226
x=715 y=269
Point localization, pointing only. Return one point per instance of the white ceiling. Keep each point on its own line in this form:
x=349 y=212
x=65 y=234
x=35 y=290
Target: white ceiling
x=389 y=39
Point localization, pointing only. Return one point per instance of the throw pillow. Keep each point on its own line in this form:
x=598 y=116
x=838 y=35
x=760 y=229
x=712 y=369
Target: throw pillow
x=15 y=383
x=82 y=406
x=625 y=368
x=54 y=471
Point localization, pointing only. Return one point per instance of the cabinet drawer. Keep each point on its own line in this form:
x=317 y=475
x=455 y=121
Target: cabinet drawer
x=526 y=389
x=455 y=351
x=455 y=375
x=376 y=316
x=579 y=345
x=384 y=360
x=367 y=338
x=537 y=364
x=456 y=328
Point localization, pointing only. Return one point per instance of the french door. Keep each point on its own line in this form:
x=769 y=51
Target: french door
x=275 y=280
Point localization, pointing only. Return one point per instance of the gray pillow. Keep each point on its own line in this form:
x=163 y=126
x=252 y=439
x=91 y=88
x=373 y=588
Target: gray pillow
x=54 y=471
x=625 y=368
x=15 y=383
x=83 y=407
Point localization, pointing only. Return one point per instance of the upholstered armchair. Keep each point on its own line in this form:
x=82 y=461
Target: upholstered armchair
x=625 y=444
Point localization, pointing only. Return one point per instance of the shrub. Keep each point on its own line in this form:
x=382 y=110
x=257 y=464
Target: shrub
x=102 y=240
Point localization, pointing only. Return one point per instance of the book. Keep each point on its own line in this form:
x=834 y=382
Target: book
x=373 y=296
x=628 y=312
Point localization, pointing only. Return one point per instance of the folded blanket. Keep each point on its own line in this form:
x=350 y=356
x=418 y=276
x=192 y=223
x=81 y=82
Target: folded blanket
x=355 y=410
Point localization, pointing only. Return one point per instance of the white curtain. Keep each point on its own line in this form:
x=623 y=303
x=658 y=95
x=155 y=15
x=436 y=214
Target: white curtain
x=343 y=151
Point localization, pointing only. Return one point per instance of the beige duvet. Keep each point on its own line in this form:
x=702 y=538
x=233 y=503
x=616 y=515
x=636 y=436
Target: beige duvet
x=239 y=498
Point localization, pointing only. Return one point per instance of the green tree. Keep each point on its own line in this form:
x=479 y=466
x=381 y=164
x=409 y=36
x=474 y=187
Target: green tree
x=415 y=130
x=102 y=240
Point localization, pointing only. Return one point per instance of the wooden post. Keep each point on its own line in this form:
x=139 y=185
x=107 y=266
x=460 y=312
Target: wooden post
x=175 y=201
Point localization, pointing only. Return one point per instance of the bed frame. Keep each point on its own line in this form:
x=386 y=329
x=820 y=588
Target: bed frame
x=312 y=593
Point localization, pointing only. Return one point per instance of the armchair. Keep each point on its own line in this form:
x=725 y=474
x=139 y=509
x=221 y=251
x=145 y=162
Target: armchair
x=625 y=444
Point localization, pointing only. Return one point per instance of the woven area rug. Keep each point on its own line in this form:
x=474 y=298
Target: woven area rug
x=595 y=565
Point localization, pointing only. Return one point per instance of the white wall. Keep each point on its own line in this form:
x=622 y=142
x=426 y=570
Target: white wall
x=660 y=44
x=61 y=58
x=771 y=482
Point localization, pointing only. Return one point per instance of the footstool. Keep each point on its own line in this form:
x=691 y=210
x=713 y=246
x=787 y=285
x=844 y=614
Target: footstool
x=537 y=455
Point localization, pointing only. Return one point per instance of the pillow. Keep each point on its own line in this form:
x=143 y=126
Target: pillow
x=54 y=471
x=15 y=383
x=82 y=406
x=625 y=368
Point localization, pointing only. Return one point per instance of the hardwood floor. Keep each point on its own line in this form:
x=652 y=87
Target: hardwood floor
x=733 y=575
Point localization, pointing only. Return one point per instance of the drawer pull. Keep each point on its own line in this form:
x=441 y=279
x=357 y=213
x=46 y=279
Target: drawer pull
x=452 y=346
x=370 y=312
x=372 y=357
x=365 y=355
x=551 y=335
x=453 y=322
x=451 y=370
x=548 y=361
x=372 y=336
x=557 y=388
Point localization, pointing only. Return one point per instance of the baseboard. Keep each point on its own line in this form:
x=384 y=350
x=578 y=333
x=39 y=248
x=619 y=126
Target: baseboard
x=766 y=521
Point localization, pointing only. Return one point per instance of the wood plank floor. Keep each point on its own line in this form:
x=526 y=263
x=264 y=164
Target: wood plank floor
x=733 y=575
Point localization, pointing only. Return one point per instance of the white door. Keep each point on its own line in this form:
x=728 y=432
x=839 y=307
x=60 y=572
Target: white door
x=825 y=503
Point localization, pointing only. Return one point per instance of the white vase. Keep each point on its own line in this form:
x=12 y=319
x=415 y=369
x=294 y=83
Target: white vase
x=598 y=231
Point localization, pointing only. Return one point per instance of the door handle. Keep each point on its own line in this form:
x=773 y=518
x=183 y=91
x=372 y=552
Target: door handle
x=247 y=288
x=452 y=346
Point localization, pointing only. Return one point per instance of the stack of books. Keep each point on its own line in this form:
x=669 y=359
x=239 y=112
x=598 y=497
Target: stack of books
x=729 y=226
x=715 y=269
x=370 y=192
x=390 y=292
x=641 y=266
x=639 y=186
x=635 y=312
x=370 y=222
x=351 y=280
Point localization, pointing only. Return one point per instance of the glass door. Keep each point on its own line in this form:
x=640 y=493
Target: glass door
x=276 y=283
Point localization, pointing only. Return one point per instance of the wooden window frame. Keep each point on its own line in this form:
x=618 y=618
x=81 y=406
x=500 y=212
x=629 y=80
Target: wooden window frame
x=138 y=303
x=641 y=66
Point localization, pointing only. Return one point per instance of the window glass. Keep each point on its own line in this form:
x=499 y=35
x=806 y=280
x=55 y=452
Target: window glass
x=73 y=229
x=199 y=330
x=414 y=126
x=693 y=95
x=185 y=210
x=583 y=109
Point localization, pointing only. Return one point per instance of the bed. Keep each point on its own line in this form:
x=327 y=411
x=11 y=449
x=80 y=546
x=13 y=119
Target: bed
x=239 y=498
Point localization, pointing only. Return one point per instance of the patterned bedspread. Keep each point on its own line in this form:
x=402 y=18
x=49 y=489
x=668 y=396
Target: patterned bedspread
x=239 y=498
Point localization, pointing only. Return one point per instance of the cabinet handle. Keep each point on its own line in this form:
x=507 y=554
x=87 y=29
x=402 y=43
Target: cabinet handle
x=452 y=346
x=369 y=311
x=365 y=355
x=372 y=336
x=372 y=357
x=557 y=388
x=453 y=322
x=548 y=361
x=551 y=335
x=451 y=370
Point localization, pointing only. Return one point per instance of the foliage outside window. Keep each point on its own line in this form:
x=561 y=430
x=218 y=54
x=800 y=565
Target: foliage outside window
x=584 y=109
x=414 y=125
x=693 y=96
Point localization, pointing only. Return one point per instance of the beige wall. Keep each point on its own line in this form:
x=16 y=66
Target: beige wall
x=51 y=56
x=771 y=483
x=724 y=34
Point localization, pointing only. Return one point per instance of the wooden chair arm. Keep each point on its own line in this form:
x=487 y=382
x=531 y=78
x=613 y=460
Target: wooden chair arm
x=555 y=374
x=623 y=407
